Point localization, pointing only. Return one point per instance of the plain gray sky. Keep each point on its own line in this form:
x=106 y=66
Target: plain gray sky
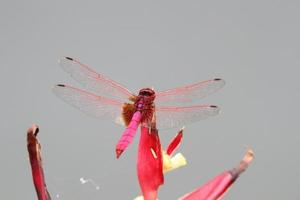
x=253 y=45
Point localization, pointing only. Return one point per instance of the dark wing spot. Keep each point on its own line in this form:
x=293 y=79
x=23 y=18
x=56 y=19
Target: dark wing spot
x=61 y=85
x=217 y=79
x=69 y=58
x=213 y=106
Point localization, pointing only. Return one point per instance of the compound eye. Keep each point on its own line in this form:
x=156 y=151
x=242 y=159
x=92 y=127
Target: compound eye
x=144 y=93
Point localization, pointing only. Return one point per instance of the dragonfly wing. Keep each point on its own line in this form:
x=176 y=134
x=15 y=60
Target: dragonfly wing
x=93 y=81
x=90 y=104
x=189 y=93
x=170 y=117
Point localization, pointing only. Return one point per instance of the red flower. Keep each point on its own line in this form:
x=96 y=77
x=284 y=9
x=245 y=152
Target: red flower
x=153 y=162
x=150 y=163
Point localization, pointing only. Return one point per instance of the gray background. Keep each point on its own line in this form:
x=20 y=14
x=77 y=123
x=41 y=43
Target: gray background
x=253 y=45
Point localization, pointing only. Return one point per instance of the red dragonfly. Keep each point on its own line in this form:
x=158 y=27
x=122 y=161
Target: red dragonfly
x=108 y=99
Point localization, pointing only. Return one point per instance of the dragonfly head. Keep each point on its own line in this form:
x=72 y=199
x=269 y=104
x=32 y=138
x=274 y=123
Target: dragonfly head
x=147 y=92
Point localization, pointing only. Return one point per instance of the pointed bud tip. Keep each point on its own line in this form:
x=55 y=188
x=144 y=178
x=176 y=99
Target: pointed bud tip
x=34 y=129
x=249 y=156
x=181 y=130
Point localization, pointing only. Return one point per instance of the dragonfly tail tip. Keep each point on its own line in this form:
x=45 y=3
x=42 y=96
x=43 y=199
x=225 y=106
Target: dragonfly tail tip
x=119 y=152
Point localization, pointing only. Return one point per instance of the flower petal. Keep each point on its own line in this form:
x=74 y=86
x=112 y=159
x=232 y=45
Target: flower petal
x=34 y=150
x=174 y=162
x=149 y=164
x=139 y=198
x=216 y=188
x=175 y=142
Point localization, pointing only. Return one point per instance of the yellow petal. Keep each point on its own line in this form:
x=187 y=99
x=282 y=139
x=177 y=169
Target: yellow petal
x=171 y=163
x=178 y=161
x=167 y=163
x=139 y=198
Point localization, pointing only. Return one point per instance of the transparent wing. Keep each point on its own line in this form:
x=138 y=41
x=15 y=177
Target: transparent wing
x=90 y=104
x=190 y=93
x=93 y=81
x=170 y=117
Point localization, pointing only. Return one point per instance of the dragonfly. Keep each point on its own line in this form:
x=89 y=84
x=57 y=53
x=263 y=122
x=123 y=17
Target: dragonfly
x=105 y=98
